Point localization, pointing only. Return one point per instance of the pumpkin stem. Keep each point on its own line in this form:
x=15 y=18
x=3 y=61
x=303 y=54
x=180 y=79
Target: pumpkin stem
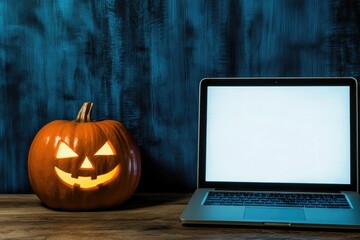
x=84 y=114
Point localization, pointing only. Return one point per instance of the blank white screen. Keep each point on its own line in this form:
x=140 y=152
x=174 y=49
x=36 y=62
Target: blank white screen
x=278 y=134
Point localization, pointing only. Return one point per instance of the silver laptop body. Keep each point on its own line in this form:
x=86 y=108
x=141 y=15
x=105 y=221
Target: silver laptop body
x=270 y=136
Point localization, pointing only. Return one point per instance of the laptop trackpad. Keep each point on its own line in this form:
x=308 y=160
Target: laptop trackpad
x=274 y=214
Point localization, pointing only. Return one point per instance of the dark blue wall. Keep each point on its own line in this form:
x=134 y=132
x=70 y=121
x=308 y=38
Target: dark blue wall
x=140 y=62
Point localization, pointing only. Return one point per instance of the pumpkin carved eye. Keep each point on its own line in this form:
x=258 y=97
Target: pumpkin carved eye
x=105 y=150
x=64 y=151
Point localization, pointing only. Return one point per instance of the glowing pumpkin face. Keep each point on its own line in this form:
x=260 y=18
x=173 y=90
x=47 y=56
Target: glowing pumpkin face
x=64 y=151
x=84 y=165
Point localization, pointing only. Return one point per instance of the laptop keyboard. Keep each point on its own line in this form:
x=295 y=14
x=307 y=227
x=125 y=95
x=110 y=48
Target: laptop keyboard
x=306 y=200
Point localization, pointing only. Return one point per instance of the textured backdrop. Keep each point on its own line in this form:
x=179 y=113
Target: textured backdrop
x=140 y=62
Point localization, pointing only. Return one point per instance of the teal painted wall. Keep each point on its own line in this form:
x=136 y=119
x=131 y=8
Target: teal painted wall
x=140 y=62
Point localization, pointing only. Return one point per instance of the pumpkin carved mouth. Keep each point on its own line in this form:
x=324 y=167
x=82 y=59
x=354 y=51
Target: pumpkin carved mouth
x=86 y=182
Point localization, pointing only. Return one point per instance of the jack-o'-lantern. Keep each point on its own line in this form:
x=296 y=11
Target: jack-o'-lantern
x=84 y=164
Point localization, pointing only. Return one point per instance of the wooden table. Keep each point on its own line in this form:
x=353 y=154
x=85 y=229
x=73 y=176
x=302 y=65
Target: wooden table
x=145 y=216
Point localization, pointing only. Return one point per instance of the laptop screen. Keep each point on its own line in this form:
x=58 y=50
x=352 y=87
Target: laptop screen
x=278 y=133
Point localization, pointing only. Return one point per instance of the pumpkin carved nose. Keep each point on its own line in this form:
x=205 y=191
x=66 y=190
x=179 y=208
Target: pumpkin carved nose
x=86 y=164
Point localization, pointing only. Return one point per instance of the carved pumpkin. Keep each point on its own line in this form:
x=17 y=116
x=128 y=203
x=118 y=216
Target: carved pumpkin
x=84 y=164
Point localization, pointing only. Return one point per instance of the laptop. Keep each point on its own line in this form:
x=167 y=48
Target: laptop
x=277 y=152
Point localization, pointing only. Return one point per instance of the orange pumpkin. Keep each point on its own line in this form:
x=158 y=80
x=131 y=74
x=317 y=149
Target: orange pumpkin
x=84 y=164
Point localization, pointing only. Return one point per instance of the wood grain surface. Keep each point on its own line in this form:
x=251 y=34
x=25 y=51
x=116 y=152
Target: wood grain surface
x=145 y=216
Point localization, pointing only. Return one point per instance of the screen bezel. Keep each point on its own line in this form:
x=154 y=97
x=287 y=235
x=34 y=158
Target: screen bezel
x=342 y=81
